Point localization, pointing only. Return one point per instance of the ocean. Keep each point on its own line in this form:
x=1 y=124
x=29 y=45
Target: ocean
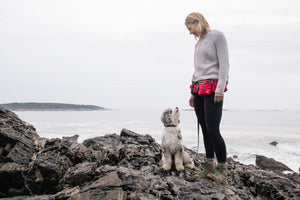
x=246 y=133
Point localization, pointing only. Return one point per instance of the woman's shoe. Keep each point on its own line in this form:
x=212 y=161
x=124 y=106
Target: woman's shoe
x=219 y=175
x=206 y=168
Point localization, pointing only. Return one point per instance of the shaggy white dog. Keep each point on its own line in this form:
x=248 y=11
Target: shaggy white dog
x=172 y=142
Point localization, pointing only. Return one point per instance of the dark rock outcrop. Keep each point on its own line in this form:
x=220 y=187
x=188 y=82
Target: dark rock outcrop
x=70 y=138
x=274 y=143
x=270 y=164
x=277 y=167
x=125 y=166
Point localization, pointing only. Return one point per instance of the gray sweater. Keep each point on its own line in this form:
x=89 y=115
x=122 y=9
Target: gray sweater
x=211 y=59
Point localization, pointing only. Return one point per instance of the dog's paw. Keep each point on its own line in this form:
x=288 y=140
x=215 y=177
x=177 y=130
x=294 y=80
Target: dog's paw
x=166 y=167
x=190 y=165
x=180 y=168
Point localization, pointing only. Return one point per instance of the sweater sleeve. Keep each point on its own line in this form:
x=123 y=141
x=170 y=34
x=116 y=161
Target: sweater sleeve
x=223 y=59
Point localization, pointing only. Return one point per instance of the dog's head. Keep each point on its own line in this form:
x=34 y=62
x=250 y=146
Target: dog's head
x=170 y=117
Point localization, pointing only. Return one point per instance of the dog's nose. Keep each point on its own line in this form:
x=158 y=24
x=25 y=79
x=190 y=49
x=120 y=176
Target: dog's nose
x=177 y=109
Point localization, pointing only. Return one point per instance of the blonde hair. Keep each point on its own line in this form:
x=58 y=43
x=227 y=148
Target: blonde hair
x=202 y=25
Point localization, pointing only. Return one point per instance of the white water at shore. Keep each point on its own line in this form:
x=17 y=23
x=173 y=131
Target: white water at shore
x=246 y=133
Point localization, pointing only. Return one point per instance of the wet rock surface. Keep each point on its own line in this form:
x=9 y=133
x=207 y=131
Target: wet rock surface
x=277 y=167
x=117 y=166
x=270 y=164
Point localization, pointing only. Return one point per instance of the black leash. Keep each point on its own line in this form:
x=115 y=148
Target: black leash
x=198 y=135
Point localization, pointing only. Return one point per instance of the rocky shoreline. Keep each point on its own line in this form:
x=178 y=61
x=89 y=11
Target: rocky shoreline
x=119 y=166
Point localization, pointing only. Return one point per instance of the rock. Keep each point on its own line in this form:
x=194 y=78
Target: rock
x=125 y=166
x=270 y=164
x=77 y=152
x=235 y=156
x=294 y=177
x=18 y=149
x=48 y=168
x=274 y=143
x=17 y=138
x=80 y=173
x=30 y=164
x=70 y=138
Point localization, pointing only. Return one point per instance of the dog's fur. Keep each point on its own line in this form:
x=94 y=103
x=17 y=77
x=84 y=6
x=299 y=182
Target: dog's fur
x=172 y=142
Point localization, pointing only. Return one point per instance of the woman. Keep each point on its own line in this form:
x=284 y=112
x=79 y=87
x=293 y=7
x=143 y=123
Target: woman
x=211 y=62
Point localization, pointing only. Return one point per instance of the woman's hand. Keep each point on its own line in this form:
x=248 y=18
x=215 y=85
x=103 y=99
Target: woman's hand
x=218 y=98
x=191 y=101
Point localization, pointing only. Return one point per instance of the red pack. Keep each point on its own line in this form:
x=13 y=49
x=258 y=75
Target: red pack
x=205 y=87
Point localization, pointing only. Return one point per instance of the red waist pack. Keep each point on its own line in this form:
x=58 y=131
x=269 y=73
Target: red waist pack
x=205 y=87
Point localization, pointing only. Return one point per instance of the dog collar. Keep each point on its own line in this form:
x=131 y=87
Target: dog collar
x=170 y=125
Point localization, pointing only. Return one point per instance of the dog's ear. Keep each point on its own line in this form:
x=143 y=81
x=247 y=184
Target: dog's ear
x=165 y=119
x=168 y=120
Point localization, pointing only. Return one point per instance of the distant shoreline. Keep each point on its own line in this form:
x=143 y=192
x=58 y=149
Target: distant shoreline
x=35 y=106
x=55 y=110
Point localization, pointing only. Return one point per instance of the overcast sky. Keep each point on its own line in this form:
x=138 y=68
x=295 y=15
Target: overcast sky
x=138 y=54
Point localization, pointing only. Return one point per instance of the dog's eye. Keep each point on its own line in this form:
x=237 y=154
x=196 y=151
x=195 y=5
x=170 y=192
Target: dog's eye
x=170 y=111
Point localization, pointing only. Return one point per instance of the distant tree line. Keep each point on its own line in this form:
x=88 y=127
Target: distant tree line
x=48 y=106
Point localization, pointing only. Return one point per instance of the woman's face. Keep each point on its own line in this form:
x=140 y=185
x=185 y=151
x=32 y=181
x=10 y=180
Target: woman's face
x=192 y=27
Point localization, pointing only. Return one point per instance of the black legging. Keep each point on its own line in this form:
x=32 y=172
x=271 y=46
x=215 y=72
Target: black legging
x=209 y=116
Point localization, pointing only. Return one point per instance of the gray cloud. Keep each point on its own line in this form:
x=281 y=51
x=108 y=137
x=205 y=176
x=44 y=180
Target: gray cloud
x=138 y=54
